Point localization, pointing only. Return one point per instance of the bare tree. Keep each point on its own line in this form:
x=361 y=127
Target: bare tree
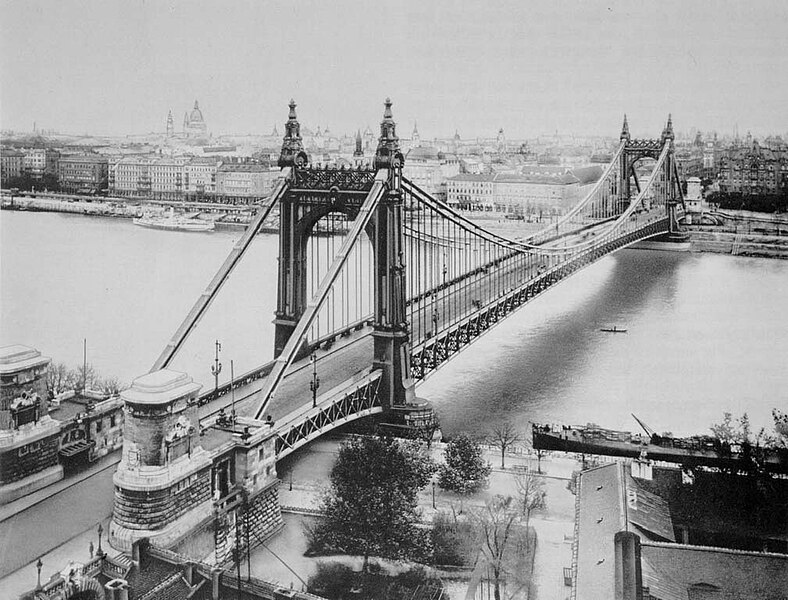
x=111 y=385
x=58 y=379
x=496 y=526
x=530 y=493
x=504 y=436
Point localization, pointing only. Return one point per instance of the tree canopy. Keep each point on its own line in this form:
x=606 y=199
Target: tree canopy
x=370 y=508
x=465 y=470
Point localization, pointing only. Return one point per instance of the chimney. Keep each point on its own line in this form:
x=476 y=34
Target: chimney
x=117 y=589
x=215 y=575
x=628 y=576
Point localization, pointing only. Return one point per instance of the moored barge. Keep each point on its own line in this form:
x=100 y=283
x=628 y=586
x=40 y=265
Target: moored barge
x=700 y=450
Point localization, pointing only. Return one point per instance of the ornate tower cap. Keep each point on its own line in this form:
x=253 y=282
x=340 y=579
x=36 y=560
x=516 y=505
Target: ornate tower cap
x=292 y=154
x=625 y=130
x=388 y=155
x=667 y=133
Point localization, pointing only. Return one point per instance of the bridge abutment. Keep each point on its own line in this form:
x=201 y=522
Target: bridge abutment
x=201 y=491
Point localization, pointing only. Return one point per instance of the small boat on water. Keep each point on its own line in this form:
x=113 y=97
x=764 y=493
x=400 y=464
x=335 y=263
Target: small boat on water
x=613 y=329
x=173 y=222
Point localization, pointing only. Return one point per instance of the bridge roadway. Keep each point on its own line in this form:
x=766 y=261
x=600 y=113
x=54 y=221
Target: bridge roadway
x=348 y=359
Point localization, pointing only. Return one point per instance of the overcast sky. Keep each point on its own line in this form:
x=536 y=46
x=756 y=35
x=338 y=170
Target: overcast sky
x=111 y=67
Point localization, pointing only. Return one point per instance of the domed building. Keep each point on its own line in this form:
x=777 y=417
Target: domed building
x=194 y=126
x=429 y=169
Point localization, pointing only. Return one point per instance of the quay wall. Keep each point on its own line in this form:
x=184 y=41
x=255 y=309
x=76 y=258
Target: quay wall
x=739 y=244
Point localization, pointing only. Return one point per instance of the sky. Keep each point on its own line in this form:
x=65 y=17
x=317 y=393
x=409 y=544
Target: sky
x=109 y=67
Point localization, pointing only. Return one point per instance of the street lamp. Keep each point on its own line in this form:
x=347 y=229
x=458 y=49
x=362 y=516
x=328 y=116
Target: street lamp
x=433 y=495
x=100 y=530
x=216 y=368
x=315 y=383
x=39 y=565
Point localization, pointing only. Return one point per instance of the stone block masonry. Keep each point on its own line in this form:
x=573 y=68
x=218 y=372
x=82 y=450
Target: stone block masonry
x=154 y=509
x=254 y=522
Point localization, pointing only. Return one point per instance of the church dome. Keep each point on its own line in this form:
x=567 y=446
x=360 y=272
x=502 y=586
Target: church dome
x=196 y=114
x=423 y=153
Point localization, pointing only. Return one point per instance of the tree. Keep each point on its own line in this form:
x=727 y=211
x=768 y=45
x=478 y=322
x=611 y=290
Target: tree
x=732 y=431
x=530 y=493
x=58 y=379
x=496 y=524
x=780 y=428
x=370 y=508
x=62 y=379
x=465 y=470
x=504 y=436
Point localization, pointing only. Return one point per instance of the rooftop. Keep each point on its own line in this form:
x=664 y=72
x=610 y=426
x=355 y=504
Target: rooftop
x=17 y=358
x=611 y=500
x=160 y=387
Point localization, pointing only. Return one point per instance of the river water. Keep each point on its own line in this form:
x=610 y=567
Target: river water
x=705 y=334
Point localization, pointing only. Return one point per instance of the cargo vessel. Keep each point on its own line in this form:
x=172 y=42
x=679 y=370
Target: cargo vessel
x=699 y=450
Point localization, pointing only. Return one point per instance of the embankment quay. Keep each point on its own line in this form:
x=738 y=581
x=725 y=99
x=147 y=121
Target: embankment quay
x=740 y=233
x=228 y=216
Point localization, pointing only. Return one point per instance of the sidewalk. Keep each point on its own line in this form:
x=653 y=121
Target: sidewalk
x=76 y=549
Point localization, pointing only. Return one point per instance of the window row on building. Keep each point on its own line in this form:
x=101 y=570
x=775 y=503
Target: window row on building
x=518 y=194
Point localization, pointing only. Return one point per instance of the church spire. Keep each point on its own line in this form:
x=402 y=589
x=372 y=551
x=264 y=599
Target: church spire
x=292 y=154
x=359 y=150
x=625 y=130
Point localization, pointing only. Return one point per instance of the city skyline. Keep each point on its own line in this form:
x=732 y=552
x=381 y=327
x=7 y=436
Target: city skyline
x=117 y=68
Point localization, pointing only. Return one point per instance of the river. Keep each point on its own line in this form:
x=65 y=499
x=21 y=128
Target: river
x=705 y=334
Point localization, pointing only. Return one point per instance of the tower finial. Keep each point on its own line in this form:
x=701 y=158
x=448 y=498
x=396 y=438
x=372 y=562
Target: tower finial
x=667 y=133
x=292 y=154
x=625 y=130
x=388 y=154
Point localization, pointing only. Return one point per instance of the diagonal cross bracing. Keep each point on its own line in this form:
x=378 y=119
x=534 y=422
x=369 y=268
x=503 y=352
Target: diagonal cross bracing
x=208 y=296
x=285 y=359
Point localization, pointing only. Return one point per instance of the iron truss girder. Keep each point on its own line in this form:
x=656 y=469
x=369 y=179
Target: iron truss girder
x=326 y=179
x=361 y=401
x=637 y=149
x=430 y=355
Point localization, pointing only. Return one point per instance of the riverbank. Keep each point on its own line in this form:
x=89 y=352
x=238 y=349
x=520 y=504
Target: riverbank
x=224 y=217
x=751 y=234
x=707 y=239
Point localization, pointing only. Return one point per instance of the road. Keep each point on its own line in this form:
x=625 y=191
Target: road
x=58 y=518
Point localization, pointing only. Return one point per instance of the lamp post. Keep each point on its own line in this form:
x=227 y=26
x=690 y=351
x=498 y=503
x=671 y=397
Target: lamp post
x=100 y=530
x=433 y=495
x=216 y=368
x=39 y=565
x=315 y=383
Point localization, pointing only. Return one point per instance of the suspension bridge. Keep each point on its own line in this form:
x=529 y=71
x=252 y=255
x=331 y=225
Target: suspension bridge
x=379 y=283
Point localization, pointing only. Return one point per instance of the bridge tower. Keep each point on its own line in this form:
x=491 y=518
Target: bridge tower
x=392 y=343
x=291 y=296
x=670 y=186
x=301 y=209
